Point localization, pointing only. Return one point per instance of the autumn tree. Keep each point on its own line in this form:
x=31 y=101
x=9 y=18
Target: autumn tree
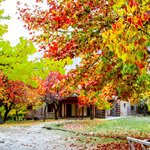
x=111 y=37
x=16 y=96
x=11 y=94
x=33 y=101
x=52 y=94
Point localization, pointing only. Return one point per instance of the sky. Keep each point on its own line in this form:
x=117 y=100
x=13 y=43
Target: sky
x=16 y=29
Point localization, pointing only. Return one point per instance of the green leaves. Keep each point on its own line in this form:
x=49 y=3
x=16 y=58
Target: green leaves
x=1 y=11
x=3 y=29
x=104 y=59
x=147 y=44
x=140 y=54
x=128 y=69
x=142 y=78
x=15 y=64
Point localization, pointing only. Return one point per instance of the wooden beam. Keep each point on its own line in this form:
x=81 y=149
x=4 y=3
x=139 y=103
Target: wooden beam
x=60 y=110
x=145 y=144
x=76 y=107
x=64 y=110
x=82 y=112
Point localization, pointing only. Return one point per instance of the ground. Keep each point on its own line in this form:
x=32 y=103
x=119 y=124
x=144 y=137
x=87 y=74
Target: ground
x=35 y=137
x=32 y=138
x=73 y=134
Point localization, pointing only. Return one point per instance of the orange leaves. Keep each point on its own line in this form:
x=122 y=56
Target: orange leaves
x=108 y=91
x=140 y=64
x=136 y=21
x=86 y=100
x=117 y=25
x=13 y=91
x=11 y=95
x=54 y=47
x=57 y=18
x=16 y=92
x=139 y=23
x=145 y=16
x=133 y=3
x=88 y=20
x=52 y=84
x=74 y=14
x=116 y=146
x=117 y=29
x=83 y=100
x=129 y=19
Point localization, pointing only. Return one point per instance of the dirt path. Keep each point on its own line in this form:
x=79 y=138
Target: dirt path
x=33 y=138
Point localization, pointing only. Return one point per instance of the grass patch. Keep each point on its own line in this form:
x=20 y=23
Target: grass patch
x=141 y=124
x=138 y=127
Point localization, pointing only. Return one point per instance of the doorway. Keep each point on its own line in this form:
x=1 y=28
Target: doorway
x=69 y=110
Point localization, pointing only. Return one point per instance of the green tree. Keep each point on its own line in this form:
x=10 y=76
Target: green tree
x=14 y=60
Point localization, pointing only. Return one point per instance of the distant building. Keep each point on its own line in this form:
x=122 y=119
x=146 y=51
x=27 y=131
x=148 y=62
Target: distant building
x=69 y=108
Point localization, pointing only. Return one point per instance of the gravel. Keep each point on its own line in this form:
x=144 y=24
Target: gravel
x=34 y=138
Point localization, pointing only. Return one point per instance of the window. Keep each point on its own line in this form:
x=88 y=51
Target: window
x=132 y=107
x=124 y=105
x=50 y=108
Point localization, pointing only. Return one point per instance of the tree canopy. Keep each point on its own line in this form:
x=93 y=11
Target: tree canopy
x=50 y=91
x=111 y=37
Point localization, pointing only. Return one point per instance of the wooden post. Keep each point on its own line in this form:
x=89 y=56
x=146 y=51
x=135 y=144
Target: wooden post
x=91 y=112
x=64 y=110
x=94 y=111
x=60 y=111
x=82 y=112
x=41 y=111
x=144 y=143
x=76 y=110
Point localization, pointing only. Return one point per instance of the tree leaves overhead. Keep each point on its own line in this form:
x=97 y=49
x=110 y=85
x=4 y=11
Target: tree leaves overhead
x=15 y=63
x=111 y=37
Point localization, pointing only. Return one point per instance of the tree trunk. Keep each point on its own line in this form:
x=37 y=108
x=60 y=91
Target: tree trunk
x=55 y=112
x=91 y=113
x=56 y=108
x=144 y=111
x=1 y=120
x=44 y=113
x=5 y=115
x=7 y=110
x=17 y=118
